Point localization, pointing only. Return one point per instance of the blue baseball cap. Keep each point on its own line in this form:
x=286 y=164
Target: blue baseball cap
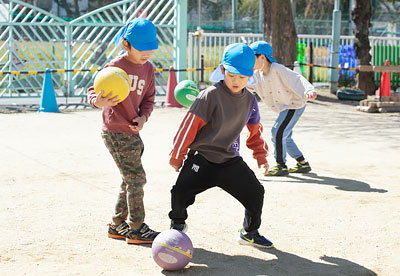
x=263 y=48
x=239 y=59
x=140 y=33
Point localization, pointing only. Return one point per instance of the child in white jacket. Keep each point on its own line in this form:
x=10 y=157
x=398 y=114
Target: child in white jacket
x=286 y=93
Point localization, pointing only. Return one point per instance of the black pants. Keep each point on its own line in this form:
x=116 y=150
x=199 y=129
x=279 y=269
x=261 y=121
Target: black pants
x=233 y=176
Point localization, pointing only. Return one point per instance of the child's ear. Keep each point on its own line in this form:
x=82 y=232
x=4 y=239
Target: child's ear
x=264 y=58
x=222 y=69
x=125 y=44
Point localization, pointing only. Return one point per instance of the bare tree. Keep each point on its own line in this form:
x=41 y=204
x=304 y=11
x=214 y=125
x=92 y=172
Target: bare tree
x=71 y=13
x=361 y=15
x=279 y=30
x=317 y=9
x=43 y=4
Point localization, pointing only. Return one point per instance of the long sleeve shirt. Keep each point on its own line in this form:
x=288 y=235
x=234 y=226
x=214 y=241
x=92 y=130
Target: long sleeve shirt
x=139 y=102
x=281 y=88
x=213 y=125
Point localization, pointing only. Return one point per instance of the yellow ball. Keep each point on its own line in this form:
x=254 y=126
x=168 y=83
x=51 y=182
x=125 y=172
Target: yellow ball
x=112 y=79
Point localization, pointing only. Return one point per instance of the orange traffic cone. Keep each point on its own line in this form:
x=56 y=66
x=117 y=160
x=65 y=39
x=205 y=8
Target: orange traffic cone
x=385 y=83
x=170 y=100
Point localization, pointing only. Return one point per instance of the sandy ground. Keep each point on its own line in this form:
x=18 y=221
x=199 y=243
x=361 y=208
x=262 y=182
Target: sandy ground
x=59 y=185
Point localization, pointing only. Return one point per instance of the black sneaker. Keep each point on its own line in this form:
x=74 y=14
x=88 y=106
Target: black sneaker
x=278 y=170
x=301 y=168
x=143 y=235
x=254 y=238
x=179 y=226
x=118 y=231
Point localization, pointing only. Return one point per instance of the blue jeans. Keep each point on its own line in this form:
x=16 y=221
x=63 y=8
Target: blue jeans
x=281 y=133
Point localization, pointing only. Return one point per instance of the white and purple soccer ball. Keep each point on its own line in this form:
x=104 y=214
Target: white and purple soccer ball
x=172 y=249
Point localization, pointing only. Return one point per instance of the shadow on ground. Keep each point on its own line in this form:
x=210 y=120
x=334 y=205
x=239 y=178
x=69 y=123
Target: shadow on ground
x=277 y=263
x=343 y=184
x=324 y=95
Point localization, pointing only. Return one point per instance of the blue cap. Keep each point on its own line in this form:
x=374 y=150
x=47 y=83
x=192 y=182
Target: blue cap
x=239 y=59
x=140 y=33
x=263 y=48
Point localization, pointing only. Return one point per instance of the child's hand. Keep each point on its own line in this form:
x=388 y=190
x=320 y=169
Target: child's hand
x=106 y=101
x=312 y=95
x=265 y=166
x=177 y=168
x=137 y=123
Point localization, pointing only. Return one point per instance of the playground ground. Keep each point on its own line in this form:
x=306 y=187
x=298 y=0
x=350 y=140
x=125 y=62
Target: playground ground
x=59 y=185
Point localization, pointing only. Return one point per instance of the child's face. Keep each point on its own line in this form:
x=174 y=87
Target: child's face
x=234 y=82
x=260 y=61
x=135 y=56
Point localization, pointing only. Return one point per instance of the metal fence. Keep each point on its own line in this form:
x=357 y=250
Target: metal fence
x=206 y=50
x=32 y=40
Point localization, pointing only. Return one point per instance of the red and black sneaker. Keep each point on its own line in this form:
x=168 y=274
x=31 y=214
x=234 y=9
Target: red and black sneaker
x=118 y=231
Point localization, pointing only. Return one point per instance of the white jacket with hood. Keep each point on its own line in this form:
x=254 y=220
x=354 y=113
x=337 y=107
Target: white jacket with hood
x=281 y=88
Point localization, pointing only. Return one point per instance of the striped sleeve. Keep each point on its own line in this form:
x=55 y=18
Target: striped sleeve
x=257 y=143
x=91 y=96
x=186 y=134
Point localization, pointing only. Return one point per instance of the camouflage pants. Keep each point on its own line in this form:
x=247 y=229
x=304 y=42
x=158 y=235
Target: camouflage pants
x=127 y=149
